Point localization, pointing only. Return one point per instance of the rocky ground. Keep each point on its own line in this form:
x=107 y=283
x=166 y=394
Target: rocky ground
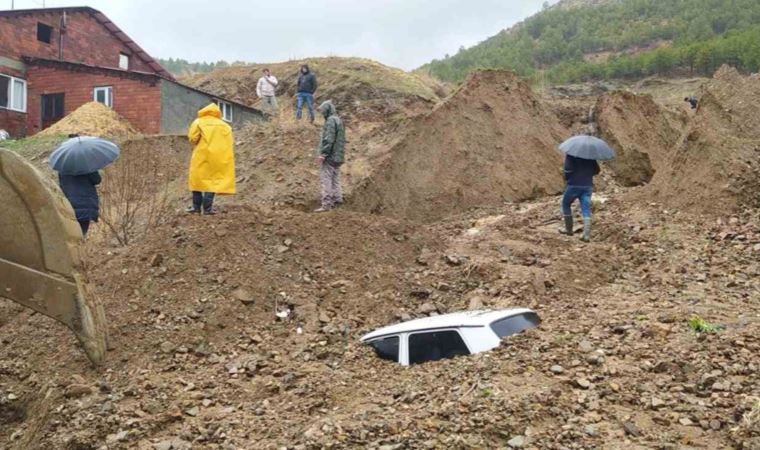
x=200 y=360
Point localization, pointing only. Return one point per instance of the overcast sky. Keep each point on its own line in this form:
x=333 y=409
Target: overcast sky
x=401 y=33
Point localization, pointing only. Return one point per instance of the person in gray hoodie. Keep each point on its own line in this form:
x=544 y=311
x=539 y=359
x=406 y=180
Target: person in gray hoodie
x=307 y=86
x=330 y=157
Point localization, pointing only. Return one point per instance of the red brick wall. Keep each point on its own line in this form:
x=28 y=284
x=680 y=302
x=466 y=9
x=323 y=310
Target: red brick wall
x=13 y=122
x=138 y=101
x=86 y=40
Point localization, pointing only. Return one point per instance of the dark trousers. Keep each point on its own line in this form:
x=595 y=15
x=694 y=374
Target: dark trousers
x=85 y=225
x=203 y=199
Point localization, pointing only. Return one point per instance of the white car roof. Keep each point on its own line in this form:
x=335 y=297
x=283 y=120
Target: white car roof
x=454 y=320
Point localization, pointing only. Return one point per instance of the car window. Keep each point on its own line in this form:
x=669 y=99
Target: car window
x=386 y=348
x=515 y=324
x=432 y=346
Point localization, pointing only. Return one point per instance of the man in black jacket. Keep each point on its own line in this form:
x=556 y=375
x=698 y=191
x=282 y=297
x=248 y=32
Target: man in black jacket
x=307 y=86
x=579 y=174
x=82 y=193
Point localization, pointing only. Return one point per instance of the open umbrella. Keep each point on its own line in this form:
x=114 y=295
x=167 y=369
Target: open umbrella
x=83 y=155
x=588 y=147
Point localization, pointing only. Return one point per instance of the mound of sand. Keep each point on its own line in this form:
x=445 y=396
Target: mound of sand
x=92 y=119
x=491 y=142
x=642 y=133
x=716 y=166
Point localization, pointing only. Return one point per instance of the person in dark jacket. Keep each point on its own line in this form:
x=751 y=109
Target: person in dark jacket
x=307 y=86
x=331 y=155
x=693 y=101
x=579 y=174
x=81 y=192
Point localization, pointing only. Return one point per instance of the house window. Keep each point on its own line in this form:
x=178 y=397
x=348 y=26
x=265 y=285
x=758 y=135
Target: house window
x=226 y=110
x=123 y=61
x=44 y=33
x=52 y=107
x=12 y=93
x=104 y=95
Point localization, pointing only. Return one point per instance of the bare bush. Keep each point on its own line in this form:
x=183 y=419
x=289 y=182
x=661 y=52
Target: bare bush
x=135 y=195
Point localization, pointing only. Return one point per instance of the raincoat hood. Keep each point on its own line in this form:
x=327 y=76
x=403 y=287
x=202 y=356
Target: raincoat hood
x=327 y=109
x=211 y=110
x=305 y=66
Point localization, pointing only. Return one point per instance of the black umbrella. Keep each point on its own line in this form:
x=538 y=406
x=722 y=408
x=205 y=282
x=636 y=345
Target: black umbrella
x=83 y=155
x=588 y=147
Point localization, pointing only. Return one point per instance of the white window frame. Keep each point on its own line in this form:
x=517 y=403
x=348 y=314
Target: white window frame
x=124 y=58
x=226 y=109
x=109 y=95
x=11 y=91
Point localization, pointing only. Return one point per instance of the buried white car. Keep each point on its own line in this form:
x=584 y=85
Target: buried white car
x=448 y=335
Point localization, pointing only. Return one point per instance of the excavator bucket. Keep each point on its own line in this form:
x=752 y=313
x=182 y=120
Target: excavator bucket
x=40 y=262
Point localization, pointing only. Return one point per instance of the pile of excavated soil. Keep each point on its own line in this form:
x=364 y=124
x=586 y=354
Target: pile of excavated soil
x=716 y=166
x=643 y=134
x=363 y=90
x=92 y=119
x=491 y=142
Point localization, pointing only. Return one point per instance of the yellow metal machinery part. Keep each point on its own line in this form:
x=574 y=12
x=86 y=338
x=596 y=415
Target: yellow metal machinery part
x=40 y=261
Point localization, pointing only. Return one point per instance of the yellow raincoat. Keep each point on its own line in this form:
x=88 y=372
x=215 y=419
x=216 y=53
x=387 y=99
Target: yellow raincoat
x=212 y=167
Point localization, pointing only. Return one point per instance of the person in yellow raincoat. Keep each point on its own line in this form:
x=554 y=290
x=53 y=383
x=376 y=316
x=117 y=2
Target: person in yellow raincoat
x=212 y=167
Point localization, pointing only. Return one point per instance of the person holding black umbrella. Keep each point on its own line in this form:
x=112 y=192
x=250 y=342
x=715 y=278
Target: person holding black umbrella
x=581 y=166
x=77 y=162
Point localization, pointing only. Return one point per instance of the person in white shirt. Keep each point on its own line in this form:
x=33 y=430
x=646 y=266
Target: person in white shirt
x=266 y=90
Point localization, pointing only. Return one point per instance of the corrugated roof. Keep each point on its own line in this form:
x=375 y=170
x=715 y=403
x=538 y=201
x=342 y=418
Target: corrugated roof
x=101 y=18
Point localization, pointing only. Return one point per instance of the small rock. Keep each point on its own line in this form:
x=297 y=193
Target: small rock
x=631 y=429
x=163 y=445
x=615 y=387
x=721 y=386
x=686 y=422
x=715 y=425
x=193 y=412
x=323 y=317
x=77 y=391
x=453 y=260
x=167 y=347
x=427 y=308
x=243 y=296
x=156 y=260
x=586 y=346
x=657 y=403
x=583 y=383
x=591 y=430
x=517 y=442
x=282 y=248
x=557 y=369
x=12 y=397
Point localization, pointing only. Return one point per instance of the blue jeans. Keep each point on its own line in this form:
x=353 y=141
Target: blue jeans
x=309 y=99
x=583 y=193
x=203 y=199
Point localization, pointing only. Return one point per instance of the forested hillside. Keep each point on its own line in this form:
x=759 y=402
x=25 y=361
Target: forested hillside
x=619 y=39
x=181 y=67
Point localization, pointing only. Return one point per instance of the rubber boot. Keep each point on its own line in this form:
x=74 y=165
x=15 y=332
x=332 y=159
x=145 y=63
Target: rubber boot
x=568 y=230
x=586 y=229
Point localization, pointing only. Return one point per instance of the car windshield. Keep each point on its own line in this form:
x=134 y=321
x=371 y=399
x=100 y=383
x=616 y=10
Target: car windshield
x=432 y=346
x=386 y=348
x=515 y=324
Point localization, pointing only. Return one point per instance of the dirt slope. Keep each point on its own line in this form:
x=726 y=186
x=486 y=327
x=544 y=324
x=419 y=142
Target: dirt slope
x=715 y=167
x=491 y=142
x=642 y=133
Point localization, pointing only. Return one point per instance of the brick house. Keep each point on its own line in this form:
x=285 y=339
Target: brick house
x=54 y=60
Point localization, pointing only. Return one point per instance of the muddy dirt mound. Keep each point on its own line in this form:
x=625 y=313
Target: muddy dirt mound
x=360 y=88
x=642 y=133
x=92 y=119
x=491 y=142
x=716 y=166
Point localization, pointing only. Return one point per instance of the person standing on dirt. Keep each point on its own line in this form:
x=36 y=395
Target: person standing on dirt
x=331 y=155
x=266 y=89
x=307 y=86
x=212 y=166
x=693 y=101
x=82 y=193
x=579 y=174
